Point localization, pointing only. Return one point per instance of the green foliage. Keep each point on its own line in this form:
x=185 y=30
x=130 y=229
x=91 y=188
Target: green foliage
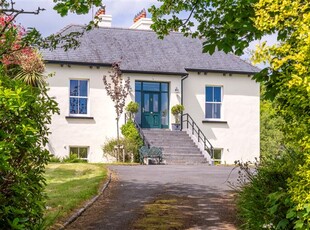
x=224 y=25
x=131 y=142
x=176 y=110
x=133 y=139
x=73 y=158
x=25 y=113
x=54 y=159
x=132 y=108
x=299 y=190
x=275 y=195
x=271 y=134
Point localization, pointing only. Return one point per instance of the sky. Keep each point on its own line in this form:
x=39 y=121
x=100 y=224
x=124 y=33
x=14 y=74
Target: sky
x=48 y=21
x=122 y=11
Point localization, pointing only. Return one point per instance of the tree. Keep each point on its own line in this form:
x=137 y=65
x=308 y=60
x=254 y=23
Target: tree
x=32 y=37
x=118 y=91
x=230 y=25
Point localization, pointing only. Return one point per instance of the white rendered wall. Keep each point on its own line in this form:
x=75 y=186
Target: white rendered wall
x=239 y=136
x=94 y=132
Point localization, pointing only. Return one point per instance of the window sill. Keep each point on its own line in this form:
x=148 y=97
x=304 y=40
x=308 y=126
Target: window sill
x=214 y=121
x=79 y=117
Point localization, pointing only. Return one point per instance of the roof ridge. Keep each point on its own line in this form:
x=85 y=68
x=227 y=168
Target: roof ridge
x=67 y=27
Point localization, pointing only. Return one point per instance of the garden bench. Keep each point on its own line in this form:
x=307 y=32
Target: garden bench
x=147 y=153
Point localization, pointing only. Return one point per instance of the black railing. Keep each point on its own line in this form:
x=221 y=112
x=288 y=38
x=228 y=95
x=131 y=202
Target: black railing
x=145 y=141
x=191 y=125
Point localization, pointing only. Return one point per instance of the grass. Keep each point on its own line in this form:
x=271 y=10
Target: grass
x=164 y=213
x=69 y=186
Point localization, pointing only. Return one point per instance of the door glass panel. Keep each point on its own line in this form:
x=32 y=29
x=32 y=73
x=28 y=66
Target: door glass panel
x=146 y=102
x=164 y=87
x=138 y=114
x=155 y=103
x=138 y=85
x=151 y=86
x=164 y=108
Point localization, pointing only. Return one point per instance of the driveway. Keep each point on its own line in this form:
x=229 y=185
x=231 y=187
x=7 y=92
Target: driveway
x=205 y=187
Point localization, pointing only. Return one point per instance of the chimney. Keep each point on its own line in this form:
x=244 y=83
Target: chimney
x=141 y=22
x=103 y=19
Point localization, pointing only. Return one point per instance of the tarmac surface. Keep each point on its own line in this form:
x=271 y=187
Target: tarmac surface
x=205 y=188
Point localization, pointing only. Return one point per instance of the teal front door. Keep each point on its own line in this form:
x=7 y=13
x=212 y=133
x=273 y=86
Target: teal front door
x=151 y=117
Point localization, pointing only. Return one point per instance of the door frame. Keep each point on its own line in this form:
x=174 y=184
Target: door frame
x=164 y=88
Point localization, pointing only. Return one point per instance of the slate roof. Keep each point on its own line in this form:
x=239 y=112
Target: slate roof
x=142 y=51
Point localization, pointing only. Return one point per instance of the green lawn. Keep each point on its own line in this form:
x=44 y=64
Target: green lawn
x=69 y=186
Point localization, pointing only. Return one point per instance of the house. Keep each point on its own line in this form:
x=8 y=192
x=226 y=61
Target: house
x=217 y=91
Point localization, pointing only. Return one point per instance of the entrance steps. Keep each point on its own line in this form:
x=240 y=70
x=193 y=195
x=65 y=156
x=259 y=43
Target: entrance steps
x=178 y=147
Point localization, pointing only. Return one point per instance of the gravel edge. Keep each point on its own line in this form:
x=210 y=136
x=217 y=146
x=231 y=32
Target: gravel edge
x=87 y=205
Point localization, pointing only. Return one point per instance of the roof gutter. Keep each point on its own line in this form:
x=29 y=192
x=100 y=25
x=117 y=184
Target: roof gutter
x=222 y=71
x=77 y=63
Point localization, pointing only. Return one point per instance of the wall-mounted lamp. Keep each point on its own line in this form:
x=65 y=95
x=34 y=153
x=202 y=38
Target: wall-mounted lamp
x=177 y=90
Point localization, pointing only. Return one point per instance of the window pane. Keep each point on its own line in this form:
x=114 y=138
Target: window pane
x=74 y=150
x=217 y=110
x=164 y=108
x=83 y=152
x=217 y=94
x=74 y=105
x=83 y=106
x=83 y=88
x=217 y=154
x=209 y=110
x=74 y=88
x=155 y=103
x=138 y=114
x=146 y=103
x=151 y=86
x=209 y=94
x=164 y=87
x=138 y=85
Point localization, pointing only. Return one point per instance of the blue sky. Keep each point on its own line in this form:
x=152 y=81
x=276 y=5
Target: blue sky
x=48 y=21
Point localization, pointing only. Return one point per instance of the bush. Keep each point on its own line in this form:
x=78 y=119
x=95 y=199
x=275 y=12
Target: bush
x=73 y=158
x=108 y=148
x=54 y=159
x=25 y=112
x=274 y=195
x=132 y=138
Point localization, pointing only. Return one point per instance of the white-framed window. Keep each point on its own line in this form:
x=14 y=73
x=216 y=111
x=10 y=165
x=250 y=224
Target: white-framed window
x=78 y=97
x=217 y=157
x=80 y=151
x=213 y=102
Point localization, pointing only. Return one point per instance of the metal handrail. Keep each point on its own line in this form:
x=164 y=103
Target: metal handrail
x=144 y=139
x=196 y=131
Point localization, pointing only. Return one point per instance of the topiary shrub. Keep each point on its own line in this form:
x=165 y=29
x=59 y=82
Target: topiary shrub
x=176 y=111
x=132 y=108
x=25 y=112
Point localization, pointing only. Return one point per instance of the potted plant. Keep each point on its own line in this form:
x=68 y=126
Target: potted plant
x=176 y=111
x=132 y=108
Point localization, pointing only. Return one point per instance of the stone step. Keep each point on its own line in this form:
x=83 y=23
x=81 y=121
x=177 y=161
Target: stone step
x=178 y=147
